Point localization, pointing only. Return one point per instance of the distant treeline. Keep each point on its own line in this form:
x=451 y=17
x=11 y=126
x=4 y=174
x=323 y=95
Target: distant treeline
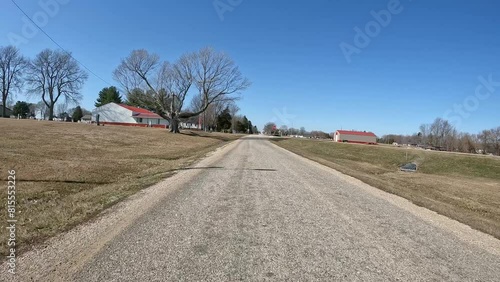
x=442 y=135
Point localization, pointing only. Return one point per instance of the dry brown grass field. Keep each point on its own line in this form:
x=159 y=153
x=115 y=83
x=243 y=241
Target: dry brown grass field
x=68 y=172
x=461 y=186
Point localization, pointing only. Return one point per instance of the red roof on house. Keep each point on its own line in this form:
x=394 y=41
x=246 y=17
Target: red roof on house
x=360 y=133
x=140 y=112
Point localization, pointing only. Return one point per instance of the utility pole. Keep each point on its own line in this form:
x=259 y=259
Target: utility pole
x=204 y=118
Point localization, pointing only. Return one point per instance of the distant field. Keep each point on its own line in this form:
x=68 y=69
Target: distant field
x=68 y=172
x=460 y=186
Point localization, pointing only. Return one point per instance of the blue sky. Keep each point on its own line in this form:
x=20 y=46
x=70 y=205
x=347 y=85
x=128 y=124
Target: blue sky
x=419 y=65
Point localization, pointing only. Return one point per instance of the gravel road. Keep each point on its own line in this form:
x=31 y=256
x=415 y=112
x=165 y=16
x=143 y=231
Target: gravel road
x=255 y=212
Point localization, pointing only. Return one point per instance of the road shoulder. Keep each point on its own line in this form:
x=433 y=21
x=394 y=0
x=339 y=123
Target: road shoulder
x=61 y=256
x=461 y=231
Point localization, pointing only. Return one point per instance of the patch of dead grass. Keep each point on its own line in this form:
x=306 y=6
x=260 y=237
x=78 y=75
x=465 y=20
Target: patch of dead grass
x=67 y=172
x=463 y=187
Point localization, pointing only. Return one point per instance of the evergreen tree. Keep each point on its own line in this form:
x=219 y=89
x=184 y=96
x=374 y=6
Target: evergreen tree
x=21 y=109
x=250 y=127
x=77 y=114
x=108 y=95
x=224 y=120
x=243 y=125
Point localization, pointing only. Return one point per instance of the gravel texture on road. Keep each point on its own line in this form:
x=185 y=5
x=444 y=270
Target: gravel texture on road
x=255 y=212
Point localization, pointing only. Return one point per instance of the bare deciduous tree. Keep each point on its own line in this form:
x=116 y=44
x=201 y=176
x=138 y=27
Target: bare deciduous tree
x=466 y=143
x=42 y=109
x=490 y=141
x=496 y=140
x=165 y=86
x=12 y=67
x=303 y=131
x=61 y=109
x=425 y=132
x=284 y=130
x=209 y=117
x=269 y=128
x=55 y=74
x=215 y=75
x=233 y=110
x=440 y=132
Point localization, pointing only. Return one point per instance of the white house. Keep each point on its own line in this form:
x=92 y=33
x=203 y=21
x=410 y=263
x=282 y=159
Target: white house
x=188 y=125
x=121 y=114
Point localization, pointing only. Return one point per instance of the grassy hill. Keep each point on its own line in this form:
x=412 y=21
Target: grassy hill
x=68 y=172
x=461 y=186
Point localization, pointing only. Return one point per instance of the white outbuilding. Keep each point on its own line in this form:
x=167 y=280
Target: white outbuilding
x=121 y=114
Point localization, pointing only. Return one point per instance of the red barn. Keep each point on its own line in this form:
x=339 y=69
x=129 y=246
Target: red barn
x=361 y=137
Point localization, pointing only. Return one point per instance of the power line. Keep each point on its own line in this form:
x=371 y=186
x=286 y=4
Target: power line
x=85 y=67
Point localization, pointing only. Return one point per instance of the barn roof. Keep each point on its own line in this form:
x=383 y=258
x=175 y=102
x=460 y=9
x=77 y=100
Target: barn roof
x=140 y=112
x=360 y=133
